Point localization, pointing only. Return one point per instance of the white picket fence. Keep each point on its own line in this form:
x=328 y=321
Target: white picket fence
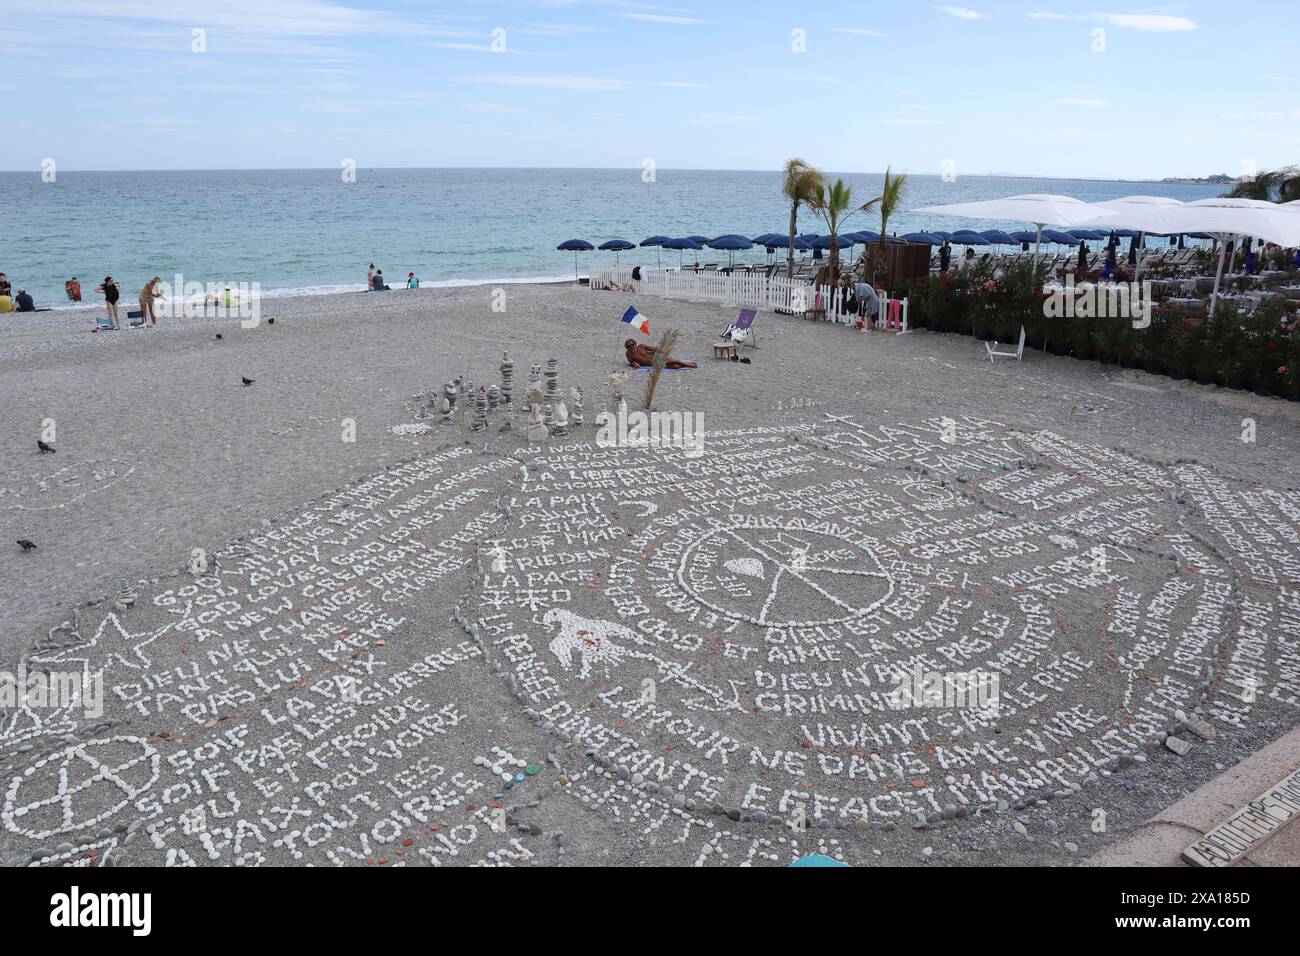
x=790 y=296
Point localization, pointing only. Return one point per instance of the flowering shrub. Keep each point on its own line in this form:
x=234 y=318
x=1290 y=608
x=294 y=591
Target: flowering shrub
x=1230 y=348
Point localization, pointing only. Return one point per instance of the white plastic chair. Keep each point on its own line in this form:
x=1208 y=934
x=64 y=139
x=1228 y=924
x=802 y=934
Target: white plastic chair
x=1018 y=354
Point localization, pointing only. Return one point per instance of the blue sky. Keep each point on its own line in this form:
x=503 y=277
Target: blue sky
x=1174 y=89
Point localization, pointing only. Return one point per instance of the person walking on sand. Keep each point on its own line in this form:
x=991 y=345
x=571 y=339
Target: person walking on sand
x=147 y=296
x=111 y=291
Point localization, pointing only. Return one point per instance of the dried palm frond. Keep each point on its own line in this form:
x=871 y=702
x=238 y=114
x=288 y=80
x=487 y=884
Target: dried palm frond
x=667 y=342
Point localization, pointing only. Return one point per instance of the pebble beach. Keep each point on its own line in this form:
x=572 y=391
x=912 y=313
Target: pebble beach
x=456 y=646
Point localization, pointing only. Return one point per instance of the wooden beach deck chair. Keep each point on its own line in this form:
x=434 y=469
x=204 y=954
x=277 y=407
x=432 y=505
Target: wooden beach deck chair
x=1018 y=354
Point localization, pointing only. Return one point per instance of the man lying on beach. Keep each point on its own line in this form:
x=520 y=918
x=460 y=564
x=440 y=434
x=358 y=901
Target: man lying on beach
x=639 y=355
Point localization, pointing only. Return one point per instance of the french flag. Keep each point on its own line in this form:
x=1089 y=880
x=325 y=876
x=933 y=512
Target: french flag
x=632 y=315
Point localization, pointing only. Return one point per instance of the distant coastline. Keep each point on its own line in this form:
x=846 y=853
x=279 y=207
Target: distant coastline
x=1216 y=179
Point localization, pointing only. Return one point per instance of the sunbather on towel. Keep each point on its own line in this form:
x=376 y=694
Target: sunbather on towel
x=639 y=354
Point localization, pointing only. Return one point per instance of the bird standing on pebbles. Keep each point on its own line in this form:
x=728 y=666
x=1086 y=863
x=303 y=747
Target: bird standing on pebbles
x=45 y=448
x=26 y=545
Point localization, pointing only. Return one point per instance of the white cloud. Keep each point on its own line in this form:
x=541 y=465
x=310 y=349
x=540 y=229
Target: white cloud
x=586 y=83
x=1149 y=22
x=662 y=18
x=1081 y=101
x=590 y=84
x=860 y=32
x=487 y=48
x=963 y=13
x=279 y=18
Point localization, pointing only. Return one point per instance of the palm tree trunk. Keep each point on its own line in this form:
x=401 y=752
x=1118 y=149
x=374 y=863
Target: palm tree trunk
x=878 y=255
x=794 y=231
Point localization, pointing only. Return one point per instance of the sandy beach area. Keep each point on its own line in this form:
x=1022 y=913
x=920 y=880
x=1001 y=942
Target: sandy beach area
x=612 y=632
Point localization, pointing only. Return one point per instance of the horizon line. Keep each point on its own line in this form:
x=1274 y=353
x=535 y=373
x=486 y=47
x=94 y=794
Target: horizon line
x=1172 y=180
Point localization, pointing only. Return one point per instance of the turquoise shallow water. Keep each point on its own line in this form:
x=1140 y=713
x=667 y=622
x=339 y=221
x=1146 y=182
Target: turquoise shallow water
x=307 y=230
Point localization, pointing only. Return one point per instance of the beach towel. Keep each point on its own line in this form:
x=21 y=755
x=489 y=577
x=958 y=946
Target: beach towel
x=646 y=368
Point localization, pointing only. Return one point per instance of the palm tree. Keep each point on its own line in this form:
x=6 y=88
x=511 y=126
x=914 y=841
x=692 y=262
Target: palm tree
x=1288 y=187
x=800 y=184
x=1269 y=185
x=887 y=202
x=833 y=204
x=1259 y=186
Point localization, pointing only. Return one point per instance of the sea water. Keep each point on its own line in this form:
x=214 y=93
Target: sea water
x=304 y=231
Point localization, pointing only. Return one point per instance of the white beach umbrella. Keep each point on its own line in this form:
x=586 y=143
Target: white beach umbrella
x=1040 y=209
x=1156 y=214
x=1226 y=218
